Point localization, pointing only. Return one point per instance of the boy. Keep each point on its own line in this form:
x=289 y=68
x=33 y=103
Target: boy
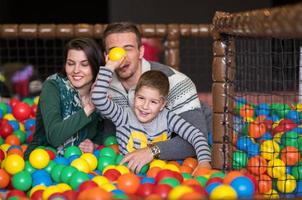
x=148 y=121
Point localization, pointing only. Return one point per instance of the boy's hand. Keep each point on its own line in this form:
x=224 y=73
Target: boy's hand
x=113 y=65
x=87 y=146
x=137 y=159
x=203 y=164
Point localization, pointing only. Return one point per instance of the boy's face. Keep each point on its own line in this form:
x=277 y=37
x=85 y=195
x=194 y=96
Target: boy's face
x=148 y=102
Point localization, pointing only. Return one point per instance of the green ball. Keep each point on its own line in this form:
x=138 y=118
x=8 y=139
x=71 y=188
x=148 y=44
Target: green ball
x=22 y=181
x=202 y=180
x=118 y=159
x=77 y=178
x=56 y=173
x=107 y=151
x=239 y=160
x=50 y=166
x=3 y=107
x=72 y=150
x=29 y=101
x=280 y=109
x=290 y=138
x=297 y=172
x=170 y=181
x=66 y=173
x=21 y=135
x=218 y=174
x=110 y=140
x=104 y=161
x=28 y=167
x=1 y=140
x=144 y=169
x=186 y=176
x=120 y=196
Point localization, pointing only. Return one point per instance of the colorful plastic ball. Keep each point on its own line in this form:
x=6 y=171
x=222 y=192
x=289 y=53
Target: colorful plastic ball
x=112 y=174
x=95 y=193
x=123 y=169
x=77 y=178
x=39 y=158
x=170 y=181
x=49 y=191
x=253 y=150
x=276 y=168
x=269 y=149
x=100 y=180
x=246 y=111
x=61 y=160
x=239 y=160
x=191 y=162
x=12 y=140
x=91 y=160
x=116 y=53
x=87 y=185
x=286 y=183
x=21 y=111
x=72 y=150
x=257 y=165
x=223 y=192
x=243 y=186
x=18 y=194
x=41 y=177
x=162 y=190
x=257 y=129
x=107 y=151
x=178 y=191
x=243 y=142
x=66 y=173
x=129 y=183
x=157 y=163
x=21 y=135
x=56 y=172
x=81 y=165
x=6 y=130
x=22 y=180
x=13 y=164
x=14 y=124
x=4 y=179
x=29 y=123
x=37 y=188
x=265 y=183
x=110 y=140
x=104 y=161
x=262 y=109
x=290 y=155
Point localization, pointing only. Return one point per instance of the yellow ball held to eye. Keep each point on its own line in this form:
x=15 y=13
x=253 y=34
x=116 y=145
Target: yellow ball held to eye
x=116 y=53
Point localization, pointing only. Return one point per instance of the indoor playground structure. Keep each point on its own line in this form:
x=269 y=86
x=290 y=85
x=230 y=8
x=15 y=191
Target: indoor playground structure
x=255 y=60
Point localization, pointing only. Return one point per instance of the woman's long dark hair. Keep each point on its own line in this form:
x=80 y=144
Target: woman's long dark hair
x=92 y=51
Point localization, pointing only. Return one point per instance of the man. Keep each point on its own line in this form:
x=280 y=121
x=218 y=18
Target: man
x=182 y=98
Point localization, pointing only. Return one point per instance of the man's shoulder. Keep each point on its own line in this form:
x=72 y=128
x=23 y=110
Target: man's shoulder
x=169 y=71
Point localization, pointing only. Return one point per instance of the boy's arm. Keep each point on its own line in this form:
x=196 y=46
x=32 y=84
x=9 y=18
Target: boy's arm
x=103 y=103
x=191 y=134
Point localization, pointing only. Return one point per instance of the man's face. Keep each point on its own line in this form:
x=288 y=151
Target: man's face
x=134 y=54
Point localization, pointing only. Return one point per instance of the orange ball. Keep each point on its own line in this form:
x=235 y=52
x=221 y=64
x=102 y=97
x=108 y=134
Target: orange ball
x=192 y=196
x=154 y=197
x=191 y=162
x=190 y=182
x=257 y=165
x=129 y=183
x=95 y=193
x=173 y=162
x=152 y=172
x=290 y=155
x=115 y=148
x=4 y=179
x=264 y=183
x=257 y=129
x=185 y=169
x=246 y=111
x=12 y=140
x=201 y=171
x=16 y=151
x=231 y=176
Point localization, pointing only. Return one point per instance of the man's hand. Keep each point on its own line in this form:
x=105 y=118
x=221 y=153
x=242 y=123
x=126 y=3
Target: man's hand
x=137 y=159
x=87 y=146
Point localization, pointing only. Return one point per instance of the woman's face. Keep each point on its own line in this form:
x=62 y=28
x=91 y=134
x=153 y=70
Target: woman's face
x=78 y=69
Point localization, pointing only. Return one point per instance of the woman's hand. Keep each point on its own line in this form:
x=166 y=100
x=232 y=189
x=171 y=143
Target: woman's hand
x=87 y=146
x=87 y=105
x=137 y=159
x=202 y=164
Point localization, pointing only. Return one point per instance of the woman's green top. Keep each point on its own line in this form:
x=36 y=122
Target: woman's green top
x=61 y=120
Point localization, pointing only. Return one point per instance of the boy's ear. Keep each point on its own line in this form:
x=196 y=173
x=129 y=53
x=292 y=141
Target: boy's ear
x=164 y=104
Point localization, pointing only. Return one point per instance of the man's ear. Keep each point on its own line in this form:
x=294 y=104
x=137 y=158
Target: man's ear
x=141 y=51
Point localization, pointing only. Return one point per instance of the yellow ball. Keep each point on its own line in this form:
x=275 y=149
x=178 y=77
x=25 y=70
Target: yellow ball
x=91 y=160
x=13 y=164
x=9 y=117
x=108 y=187
x=271 y=194
x=116 y=53
x=64 y=187
x=122 y=169
x=286 y=183
x=100 y=180
x=50 y=190
x=157 y=163
x=223 y=192
x=269 y=149
x=276 y=168
x=81 y=165
x=178 y=191
x=39 y=158
x=36 y=100
x=35 y=188
x=5 y=147
x=171 y=167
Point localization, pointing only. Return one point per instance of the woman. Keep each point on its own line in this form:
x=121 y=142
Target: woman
x=66 y=115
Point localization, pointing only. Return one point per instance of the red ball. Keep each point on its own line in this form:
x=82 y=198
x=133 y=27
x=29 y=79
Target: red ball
x=70 y=194
x=5 y=130
x=162 y=190
x=15 y=193
x=34 y=109
x=51 y=154
x=86 y=185
x=145 y=190
x=2 y=155
x=13 y=102
x=112 y=174
x=166 y=173
x=21 y=111
x=214 y=180
x=37 y=195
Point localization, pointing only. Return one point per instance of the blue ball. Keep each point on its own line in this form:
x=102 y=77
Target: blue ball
x=147 y=180
x=262 y=109
x=29 y=123
x=209 y=188
x=61 y=160
x=14 y=124
x=243 y=142
x=118 y=192
x=253 y=150
x=293 y=115
x=244 y=187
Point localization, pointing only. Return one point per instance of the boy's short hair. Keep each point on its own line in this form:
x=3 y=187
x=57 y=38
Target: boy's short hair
x=122 y=27
x=154 y=79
